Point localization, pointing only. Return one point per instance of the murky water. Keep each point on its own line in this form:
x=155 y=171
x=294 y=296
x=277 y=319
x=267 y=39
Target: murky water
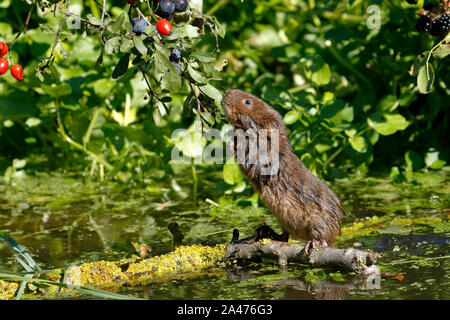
x=63 y=221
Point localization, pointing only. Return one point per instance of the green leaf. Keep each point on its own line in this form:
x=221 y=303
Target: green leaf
x=442 y=51
x=203 y=56
x=56 y=91
x=118 y=23
x=128 y=26
x=195 y=75
x=139 y=44
x=291 y=117
x=419 y=62
x=413 y=161
x=337 y=276
x=432 y=160
x=186 y=31
x=387 y=124
x=425 y=78
x=315 y=276
x=212 y=92
x=316 y=70
x=121 y=67
x=388 y=103
x=126 y=45
x=151 y=31
x=219 y=28
x=112 y=45
x=95 y=21
x=165 y=71
x=358 y=143
x=231 y=172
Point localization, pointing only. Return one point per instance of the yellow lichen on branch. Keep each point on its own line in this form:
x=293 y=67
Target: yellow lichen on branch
x=183 y=262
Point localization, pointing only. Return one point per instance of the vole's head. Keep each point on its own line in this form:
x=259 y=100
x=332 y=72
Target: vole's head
x=245 y=111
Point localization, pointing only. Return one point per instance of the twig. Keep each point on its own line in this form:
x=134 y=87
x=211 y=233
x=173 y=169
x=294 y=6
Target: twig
x=24 y=28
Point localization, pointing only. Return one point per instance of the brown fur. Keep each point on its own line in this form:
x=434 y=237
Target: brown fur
x=305 y=207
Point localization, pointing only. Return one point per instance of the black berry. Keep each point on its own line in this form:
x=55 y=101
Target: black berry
x=429 y=6
x=440 y=26
x=423 y=24
x=180 y=5
x=165 y=8
x=175 y=55
x=412 y=1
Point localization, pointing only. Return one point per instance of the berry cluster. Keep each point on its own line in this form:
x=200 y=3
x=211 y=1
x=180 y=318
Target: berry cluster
x=166 y=8
x=440 y=26
x=429 y=21
x=16 y=70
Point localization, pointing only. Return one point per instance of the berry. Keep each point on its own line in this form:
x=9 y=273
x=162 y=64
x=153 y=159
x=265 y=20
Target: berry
x=180 y=5
x=429 y=6
x=423 y=24
x=3 y=49
x=129 y=1
x=4 y=65
x=176 y=66
x=175 y=55
x=17 y=72
x=164 y=27
x=165 y=8
x=412 y=1
x=440 y=26
x=139 y=25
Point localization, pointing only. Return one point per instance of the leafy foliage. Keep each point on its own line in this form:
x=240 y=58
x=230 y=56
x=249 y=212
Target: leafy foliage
x=114 y=96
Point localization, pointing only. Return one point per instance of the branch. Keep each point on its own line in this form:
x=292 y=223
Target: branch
x=351 y=259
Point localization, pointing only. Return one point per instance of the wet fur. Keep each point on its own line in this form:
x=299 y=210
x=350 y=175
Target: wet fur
x=305 y=207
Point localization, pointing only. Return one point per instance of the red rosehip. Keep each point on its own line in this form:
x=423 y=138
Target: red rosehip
x=17 y=72
x=4 y=65
x=164 y=27
x=3 y=49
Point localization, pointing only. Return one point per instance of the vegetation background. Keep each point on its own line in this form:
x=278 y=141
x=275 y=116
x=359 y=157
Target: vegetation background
x=344 y=90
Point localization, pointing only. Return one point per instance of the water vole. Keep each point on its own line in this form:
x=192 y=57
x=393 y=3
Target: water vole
x=306 y=207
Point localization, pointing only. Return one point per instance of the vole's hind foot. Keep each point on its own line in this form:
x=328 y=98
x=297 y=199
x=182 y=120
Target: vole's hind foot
x=314 y=244
x=263 y=232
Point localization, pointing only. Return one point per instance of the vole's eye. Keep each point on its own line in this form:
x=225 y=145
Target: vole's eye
x=248 y=102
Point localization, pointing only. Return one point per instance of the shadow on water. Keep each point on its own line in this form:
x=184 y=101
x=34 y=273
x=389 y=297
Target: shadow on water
x=62 y=222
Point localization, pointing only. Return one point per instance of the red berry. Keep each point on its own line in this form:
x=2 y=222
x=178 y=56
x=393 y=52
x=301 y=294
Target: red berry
x=164 y=27
x=3 y=49
x=129 y=1
x=17 y=72
x=4 y=65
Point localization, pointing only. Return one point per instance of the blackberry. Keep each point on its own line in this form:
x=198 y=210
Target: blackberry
x=423 y=24
x=412 y=1
x=440 y=26
x=429 y=6
x=165 y=8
